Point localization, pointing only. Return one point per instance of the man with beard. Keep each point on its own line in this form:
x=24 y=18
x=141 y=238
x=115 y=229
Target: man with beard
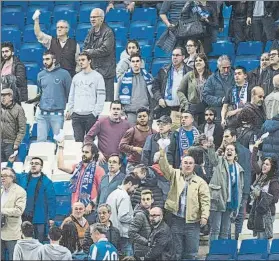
x=122 y=211
x=109 y=131
x=41 y=201
x=211 y=128
x=54 y=85
x=86 y=99
x=160 y=241
x=140 y=228
x=255 y=107
x=134 y=139
x=12 y=66
x=86 y=175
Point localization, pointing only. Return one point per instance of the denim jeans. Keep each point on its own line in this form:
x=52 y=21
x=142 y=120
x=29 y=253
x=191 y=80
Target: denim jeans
x=10 y=246
x=220 y=225
x=7 y=149
x=40 y=231
x=126 y=248
x=186 y=237
x=45 y=122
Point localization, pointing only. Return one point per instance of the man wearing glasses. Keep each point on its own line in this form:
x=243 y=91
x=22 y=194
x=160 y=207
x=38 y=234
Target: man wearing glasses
x=65 y=49
x=41 y=201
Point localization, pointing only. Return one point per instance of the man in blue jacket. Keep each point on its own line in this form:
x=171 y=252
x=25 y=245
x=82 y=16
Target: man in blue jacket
x=41 y=201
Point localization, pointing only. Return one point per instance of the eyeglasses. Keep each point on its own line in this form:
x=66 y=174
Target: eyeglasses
x=61 y=27
x=265 y=60
x=273 y=54
x=97 y=16
x=80 y=209
x=154 y=215
x=6 y=176
x=209 y=114
x=35 y=163
x=176 y=55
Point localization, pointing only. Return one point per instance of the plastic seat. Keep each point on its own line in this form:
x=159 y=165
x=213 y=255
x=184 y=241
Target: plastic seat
x=82 y=31
x=274 y=246
x=116 y=24
x=146 y=52
x=31 y=52
x=120 y=32
x=45 y=16
x=32 y=70
x=212 y=65
x=268 y=46
x=253 y=249
x=142 y=32
x=118 y=15
x=32 y=90
x=62 y=188
x=26 y=137
x=63 y=205
x=157 y=64
x=145 y=14
x=11 y=34
x=223 y=249
x=221 y=48
x=17 y=166
x=158 y=52
x=72 y=150
x=248 y=63
x=49 y=4
x=273 y=256
x=36 y=149
x=250 y=48
x=161 y=27
x=64 y=13
x=13 y=16
x=29 y=35
x=85 y=10
x=22 y=4
x=74 y=4
x=227 y=10
x=22 y=151
x=71 y=32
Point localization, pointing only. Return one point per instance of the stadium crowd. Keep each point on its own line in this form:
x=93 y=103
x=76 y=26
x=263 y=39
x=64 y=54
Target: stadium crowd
x=143 y=193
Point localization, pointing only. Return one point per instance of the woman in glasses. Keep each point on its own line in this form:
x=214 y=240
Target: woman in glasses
x=125 y=63
x=264 y=195
x=191 y=87
x=193 y=47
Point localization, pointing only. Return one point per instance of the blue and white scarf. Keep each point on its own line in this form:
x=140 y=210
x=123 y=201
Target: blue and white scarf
x=239 y=98
x=126 y=87
x=86 y=183
x=232 y=203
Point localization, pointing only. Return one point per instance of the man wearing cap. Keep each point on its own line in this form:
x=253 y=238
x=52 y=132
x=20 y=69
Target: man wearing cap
x=13 y=123
x=151 y=146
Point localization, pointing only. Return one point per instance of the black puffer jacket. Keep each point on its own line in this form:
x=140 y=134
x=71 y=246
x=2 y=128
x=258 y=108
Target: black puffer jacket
x=140 y=230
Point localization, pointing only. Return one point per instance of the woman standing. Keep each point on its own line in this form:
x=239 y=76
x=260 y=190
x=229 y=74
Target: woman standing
x=191 y=87
x=264 y=189
x=226 y=188
x=193 y=47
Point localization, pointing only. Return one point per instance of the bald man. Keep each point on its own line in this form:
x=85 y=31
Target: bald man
x=100 y=44
x=272 y=100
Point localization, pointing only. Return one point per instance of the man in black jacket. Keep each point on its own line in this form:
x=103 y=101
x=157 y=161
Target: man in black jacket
x=100 y=44
x=11 y=65
x=140 y=227
x=160 y=242
x=113 y=234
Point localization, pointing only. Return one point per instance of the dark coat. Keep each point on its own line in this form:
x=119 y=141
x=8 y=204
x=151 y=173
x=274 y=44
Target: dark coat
x=269 y=6
x=140 y=230
x=161 y=245
x=217 y=134
x=245 y=135
x=266 y=80
x=254 y=77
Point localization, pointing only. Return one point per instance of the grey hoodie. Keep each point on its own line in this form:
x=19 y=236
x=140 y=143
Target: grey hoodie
x=54 y=252
x=27 y=249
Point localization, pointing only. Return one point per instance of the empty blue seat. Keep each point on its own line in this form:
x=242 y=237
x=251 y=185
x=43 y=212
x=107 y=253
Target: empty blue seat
x=116 y=24
x=63 y=204
x=227 y=10
x=13 y=16
x=250 y=48
x=27 y=134
x=120 y=32
x=45 y=16
x=146 y=53
x=71 y=32
x=81 y=45
x=274 y=247
x=212 y=65
x=74 y=4
x=145 y=14
x=223 y=249
x=273 y=256
x=29 y=35
x=103 y=4
x=64 y=13
x=118 y=15
x=22 y=4
x=268 y=46
x=32 y=70
x=158 y=52
x=85 y=10
x=249 y=63
x=31 y=52
x=49 y=4
x=221 y=48
x=253 y=249
x=22 y=152
x=82 y=31
x=62 y=188
x=158 y=63
x=142 y=32
x=161 y=27
x=11 y=34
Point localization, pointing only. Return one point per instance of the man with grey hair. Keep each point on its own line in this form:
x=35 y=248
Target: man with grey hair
x=100 y=44
x=272 y=100
x=65 y=49
x=218 y=84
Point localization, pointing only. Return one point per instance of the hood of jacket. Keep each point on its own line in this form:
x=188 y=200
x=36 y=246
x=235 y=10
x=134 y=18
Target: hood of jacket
x=139 y=208
x=54 y=252
x=28 y=244
x=271 y=125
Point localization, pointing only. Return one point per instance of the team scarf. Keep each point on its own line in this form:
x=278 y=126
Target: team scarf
x=86 y=183
x=239 y=98
x=126 y=87
x=233 y=188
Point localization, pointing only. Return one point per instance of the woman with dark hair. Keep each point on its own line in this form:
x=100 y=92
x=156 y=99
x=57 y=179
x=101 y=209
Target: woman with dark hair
x=264 y=195
x=123 y=65
x=70 y=238
x=193 y=47
x=191 y=87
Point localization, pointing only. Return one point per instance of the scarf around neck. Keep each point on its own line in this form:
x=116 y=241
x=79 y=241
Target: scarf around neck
x=239 y=98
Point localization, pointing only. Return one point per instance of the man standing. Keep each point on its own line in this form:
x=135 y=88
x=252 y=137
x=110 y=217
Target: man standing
x=100 y=44
x=188 y=201
x=11 y=65
x=168 y=81
x=109 y=131
x=65 y=49
x=13 y=124
x=272 y=100
x=86 y=175
x=134 y=139
x=140 y=228
x=41 y=202
x=181 y=140
x=218 y=84
x=135 y=89
x=54 y=86
x=122 y=211
x=86 y=98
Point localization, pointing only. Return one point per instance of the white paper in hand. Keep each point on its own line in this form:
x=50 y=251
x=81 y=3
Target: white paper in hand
x=163 y=143
x=60 y=136
x=14 y=154
x=36 y=14
x=265 y=135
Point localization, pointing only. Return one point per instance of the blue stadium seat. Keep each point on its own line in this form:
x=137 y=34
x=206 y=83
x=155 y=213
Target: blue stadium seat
x=31 y=52
x=81 y=31
x=222 y=47
x=53 y=31
x=45 y=17
x=223 y=249
x=146 y=52
x=274 y=250
x=81 y=45
x=74 y=4
x=12 y=34
x=22 y=152
x=158 y=52
x=116 y=24
x=118 y=15
x=120 y=32
x=49 y=4
x=27 y=134
x=103 y=4
x=145 y=14
x=227 y=10
x=268 y=46
x=63 y=204
x=13 y=16
x=212 y=65
x=273 y=256
x=138 y=31
x=22 y=4
x=85 y=10
x=64 y=13
x=161 y=27
x=249 y=63
x=157 y=64
x=29 y=35
x=62 y=188
x=32 y=70
x=250 y=48
x=253 y=249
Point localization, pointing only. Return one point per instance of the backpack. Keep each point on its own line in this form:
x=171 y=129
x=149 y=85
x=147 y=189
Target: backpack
x=9 y=81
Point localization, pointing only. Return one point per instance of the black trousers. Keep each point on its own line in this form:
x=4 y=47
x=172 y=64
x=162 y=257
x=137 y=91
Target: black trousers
x=109 y=82
x=263 y=28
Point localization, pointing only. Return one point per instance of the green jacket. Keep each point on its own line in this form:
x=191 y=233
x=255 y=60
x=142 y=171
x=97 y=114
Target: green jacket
x=198 y=196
